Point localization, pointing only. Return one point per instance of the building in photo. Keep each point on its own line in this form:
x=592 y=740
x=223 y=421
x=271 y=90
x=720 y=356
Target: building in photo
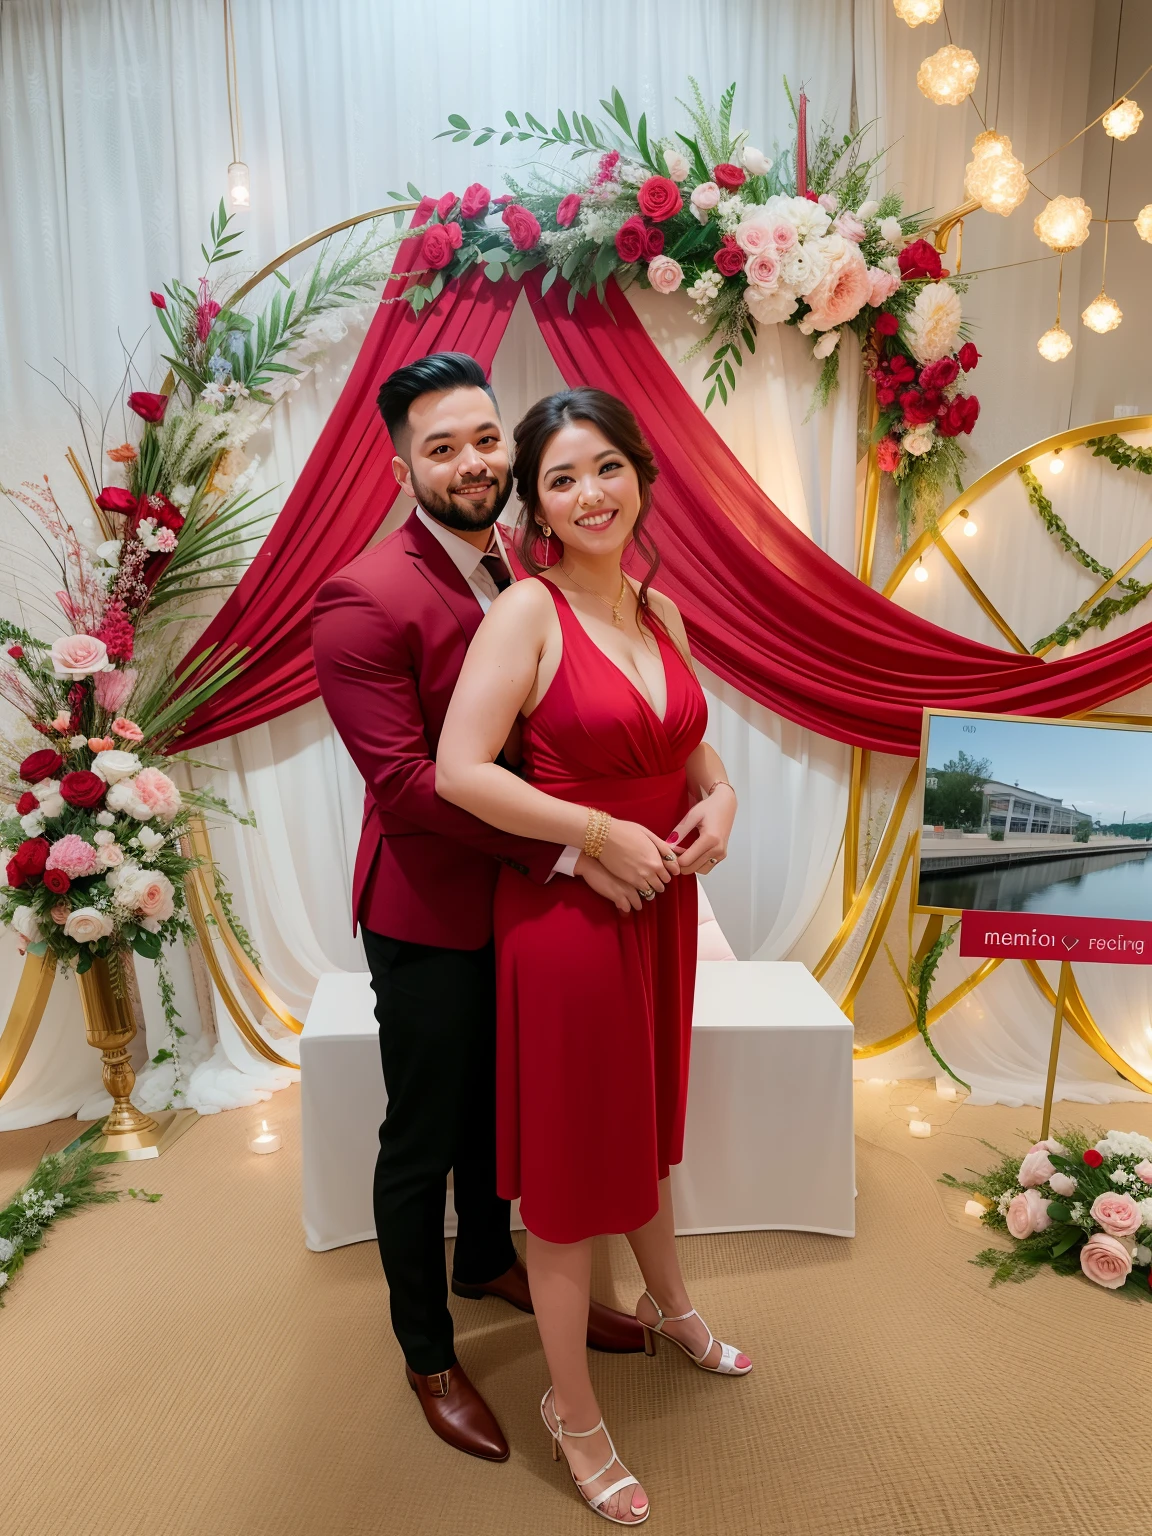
x=1008 y=808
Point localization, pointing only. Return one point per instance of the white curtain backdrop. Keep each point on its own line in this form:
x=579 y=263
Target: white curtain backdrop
x=113 y=153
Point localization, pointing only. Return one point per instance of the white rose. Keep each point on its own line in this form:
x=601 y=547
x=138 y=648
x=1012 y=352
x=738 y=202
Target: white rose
x=77 y=742
x=109 y=551
x=678 y=165
x=149 y=839
x=105 y=819
x=866 y=210
x=51 y=804
x=122 y=797
x=127 y=871
x=891 y=231
x=756 y=163
x=827 y=344
x=33 y=823
x=46 y=789
x=101 y=838
x=918 y=442
x=809 y=218
x=27 y=925
x=769 y=308
x=114 y=765
x=86 y=925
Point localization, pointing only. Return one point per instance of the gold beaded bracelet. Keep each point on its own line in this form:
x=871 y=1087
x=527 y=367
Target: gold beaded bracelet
x=599 y=825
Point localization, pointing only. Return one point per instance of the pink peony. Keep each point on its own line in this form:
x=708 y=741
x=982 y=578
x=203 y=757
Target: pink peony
x=568 y=210
x=752 y=237
x=1106 y=1261
x=884 y=285
x=1027 y=1213
x=157 y=791
x=127 y=730
x=664 y=274
x=783 y=235
x=112 y=689
x=763 y=269
x=1119 y=1215
x=842 y=292
x=78 y=656
x=850 y=227
x=1035 y=1169
x=1143 y=1171
x=74 y=856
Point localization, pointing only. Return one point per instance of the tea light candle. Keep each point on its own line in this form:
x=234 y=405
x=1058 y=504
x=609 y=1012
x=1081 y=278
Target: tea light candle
x=265 y=1140
x=920 y=1127
x=973 y=1208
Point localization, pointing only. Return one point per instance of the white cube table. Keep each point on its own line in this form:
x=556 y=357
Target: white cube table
x=769 y=1134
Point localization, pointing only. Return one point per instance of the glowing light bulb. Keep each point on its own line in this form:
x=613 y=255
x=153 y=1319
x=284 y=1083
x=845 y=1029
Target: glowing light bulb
x=970 y=529
x=1103 y=314
x=948 y=76
x=914 y=12
x=1054 y=344
x=1057 y=464
x=1064 y=223
x=1122 y=120
x=239 y=189
x=994 y=176
x=1144 y=223
x=920 y=573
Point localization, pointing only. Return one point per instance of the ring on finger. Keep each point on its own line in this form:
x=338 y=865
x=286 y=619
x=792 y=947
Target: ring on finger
x=669 y=858
x=648 y=894
x=713 y=861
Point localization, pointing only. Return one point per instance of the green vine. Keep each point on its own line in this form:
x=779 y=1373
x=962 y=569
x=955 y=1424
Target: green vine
x=171 y=1051
x=1132 y=592
x=921 y=974
x=64 y=1182
x=243 y=937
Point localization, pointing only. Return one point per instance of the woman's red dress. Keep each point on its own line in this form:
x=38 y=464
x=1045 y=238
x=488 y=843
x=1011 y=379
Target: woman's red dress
x=595 y=1005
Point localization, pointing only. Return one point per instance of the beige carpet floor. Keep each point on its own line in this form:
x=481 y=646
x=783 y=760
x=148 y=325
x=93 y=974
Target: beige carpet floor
x=187 y=1366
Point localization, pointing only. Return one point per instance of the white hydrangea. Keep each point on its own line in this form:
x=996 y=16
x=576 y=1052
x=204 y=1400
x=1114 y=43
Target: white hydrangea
x=730 y=212
x=7 y=1250
x=1145 y=1212
x=181 y=495
x=1125 y=1144
x=1121 y=1176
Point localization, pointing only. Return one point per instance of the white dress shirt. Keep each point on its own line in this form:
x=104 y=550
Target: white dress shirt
x=467 y=557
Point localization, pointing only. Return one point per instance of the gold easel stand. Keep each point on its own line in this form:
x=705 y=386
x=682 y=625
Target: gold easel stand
x=1054 y=1053
x=128 y=1134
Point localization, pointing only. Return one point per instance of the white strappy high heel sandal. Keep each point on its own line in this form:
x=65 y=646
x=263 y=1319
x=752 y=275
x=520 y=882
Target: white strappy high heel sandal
x=596 y=1501
x=729 y=1354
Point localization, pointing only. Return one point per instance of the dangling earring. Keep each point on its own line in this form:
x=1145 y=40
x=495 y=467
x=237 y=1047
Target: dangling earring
x=547 y=536
x=545 y=530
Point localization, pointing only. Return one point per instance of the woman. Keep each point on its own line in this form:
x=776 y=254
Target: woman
x=595 y=1001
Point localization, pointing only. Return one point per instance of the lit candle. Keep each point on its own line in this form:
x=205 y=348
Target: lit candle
x=920 y=1127
x=265 y=1140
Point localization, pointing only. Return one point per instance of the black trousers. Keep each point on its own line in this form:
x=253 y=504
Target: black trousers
x=437 y=1014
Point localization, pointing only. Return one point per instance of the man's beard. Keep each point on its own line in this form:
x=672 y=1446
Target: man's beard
x=465 y=519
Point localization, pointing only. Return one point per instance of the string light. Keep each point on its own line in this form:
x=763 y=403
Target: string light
x=994 y=176
x=239 y=186
x=1056 y=464
x=1064 y=223
x=920 y=573
x=948 y=76
x=1103 y=314
x=1122 y=120
x=1144 y=223
x=1055 y=344
x=970 y=529
x=914 y=12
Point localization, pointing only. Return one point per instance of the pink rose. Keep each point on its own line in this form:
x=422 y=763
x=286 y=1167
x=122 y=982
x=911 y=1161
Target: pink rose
x=1051 y=1145
x=841 y=293
x=78 y=656
x=664 y=274
x=783 y=235
x=887 y=454
x=127 y=730
x=828 y=201
x=86 y=925
x=763 y=269
x=1035 y=1169
x=60 y=912
x=157 y=792
x=1063 y=1185
x=568 y=210
x=1106 y=1261
x=154 y=898
x=884 y=285
x=74 y=856
x=1027 y=1213
x=703 y=199
x=850 y=227
x=753 y=237
x=523 y=227
x=113 y=688
x=1119 y=1215
x=111 y=856
x=1143 y=1171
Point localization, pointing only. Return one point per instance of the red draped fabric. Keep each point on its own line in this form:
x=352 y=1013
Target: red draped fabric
x=765 y=608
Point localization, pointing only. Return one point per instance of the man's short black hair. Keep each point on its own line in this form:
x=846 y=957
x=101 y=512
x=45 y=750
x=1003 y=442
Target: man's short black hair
x=430 y=375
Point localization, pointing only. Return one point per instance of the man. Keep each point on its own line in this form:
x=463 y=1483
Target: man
x=389 y=636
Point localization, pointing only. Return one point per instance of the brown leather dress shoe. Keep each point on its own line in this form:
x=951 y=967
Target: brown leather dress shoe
x=615 y=1333
x=458 y=1414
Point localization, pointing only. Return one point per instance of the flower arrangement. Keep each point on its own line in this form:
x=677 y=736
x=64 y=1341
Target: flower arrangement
x=1083 y=1204
x=794 y=238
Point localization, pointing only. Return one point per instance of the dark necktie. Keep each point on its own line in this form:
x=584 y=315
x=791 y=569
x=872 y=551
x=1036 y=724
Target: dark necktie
x=498 y=571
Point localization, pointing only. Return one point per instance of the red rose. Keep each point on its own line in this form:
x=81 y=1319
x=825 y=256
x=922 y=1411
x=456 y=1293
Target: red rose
x=159 y=507
x=83 y=789
x=158 y=300
x=886 y=324
x=885 y=394
x=522 y=226
x=653 y=243
x=147 y=406
x=812 y=197
x=940 y=373
x=28 y=861
x=631 y=239
x=920 y=259
x=435 y=248
x=503 y=200
x=887 y=454
x=44 y=764
x=1091 y=1157
x=113 y=499
x=15 y=651
x=567 y=211
x=56 y=881
x=659 y=198
x=968 y=356
x=919 y=409
x=446 y=204
x=959 y=415
x=455 y=235
x=474 y=203
x=729 y=258
x=730 y=176
x=26 y=804
x=901 y=370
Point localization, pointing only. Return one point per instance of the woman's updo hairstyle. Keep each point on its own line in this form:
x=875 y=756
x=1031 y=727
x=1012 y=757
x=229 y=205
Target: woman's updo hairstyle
x=533 y=434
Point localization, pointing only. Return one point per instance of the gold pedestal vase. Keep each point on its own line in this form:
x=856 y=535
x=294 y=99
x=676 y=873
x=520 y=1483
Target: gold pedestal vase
x=128 y=1133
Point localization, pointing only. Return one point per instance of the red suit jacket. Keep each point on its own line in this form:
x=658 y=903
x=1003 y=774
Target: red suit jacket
x=389 y=633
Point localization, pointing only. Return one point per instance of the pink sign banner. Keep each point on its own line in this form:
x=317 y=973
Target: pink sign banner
x=1046 y=936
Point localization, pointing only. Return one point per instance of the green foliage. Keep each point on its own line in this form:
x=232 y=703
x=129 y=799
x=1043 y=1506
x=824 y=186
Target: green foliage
x=142 y=1194
x=956 y=800
x=1083 y=832
x=921 y=974
x=996 y=835
x=63 y=1183
x=1121 y=453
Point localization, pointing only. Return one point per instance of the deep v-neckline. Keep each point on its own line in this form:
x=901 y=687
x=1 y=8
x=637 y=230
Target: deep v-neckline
x=661 y=720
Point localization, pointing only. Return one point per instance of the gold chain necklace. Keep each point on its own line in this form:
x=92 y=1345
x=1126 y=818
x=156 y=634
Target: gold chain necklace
x=608 y=603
